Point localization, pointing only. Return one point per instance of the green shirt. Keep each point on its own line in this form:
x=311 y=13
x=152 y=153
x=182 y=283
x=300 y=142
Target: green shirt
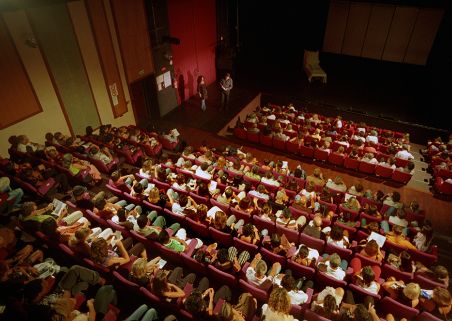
x=175 y=246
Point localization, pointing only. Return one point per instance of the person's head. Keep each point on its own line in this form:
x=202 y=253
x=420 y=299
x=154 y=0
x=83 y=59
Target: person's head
x=371 y=248
x=194 y=302
x=139 y=268
x=441 y=272
x=368 y=275
x=115 y=176
x=227 y=76
x=412 y=291
x=337 y=233
x=100 y=204
x=396 y=196
x=317 y=172
x=154 y=195
x=183 y=200
x=279 y=300
x=275 y=240
x=204 y=166
x=99 y=250
x=219 y=221
x=261 y=189
x=228 y=192
x=138 y=188
x=142 y=221
x=335 y=260
x=160 y=282
x=49 y=226
x=397 y=229
x=441 y=297
x=361 y=313
x=248 y=230
x=245 y=203
x=246 y=304
x=82 y=234
x=28 y=208
x=329 y=305
x=163 y=237
x=222 y=255
x=317 y=220
x=121 y=214
x=261 y=268
x=303 y=252
x=288 y=282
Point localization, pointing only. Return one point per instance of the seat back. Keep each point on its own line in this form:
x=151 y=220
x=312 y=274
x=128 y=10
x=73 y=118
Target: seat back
x=351 y=163
x=425 y=316
x=224 y=207
x=389 y=305
x=266 y=140
x=383 y=171
x=199 y=229
x=260 y=294
x=401 y=177
x=363 y=293
x=292 y=147
x=279 y=144
x=366 y=167
x=220 y=276
x=223 y=238
x=193 y=265
x=301 y=270
x=325 y=280
x=241 y=215
x=427 y=259
x=336 y=159
x=240 y=133
x=321 y=155
x=252 y=137
x=353 y=214
x=245 y=246
x=388 y=270
x=261 y=224
x=312 y=242
x=269 y=256
x=312 y=316
x=343 y=253
x=306 y=151
x=426 y=283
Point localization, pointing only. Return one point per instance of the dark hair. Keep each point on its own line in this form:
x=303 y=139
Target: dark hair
x=138 y=188
x=337 y=233
x=396 y=196
x=163 y=237
x=368 y=275
x=115 y=176
x=100 y=203
x=275 y=240
x=121 y=214
x=194 y=303
x=142 y=221
x=183 y=200
x=329 y=305
x=303 y=252
x=159 y=283
x=49 y=226
x=248 y=229
x=288 y=282
x=222 y=255
x=361 y=313
x=245 y=203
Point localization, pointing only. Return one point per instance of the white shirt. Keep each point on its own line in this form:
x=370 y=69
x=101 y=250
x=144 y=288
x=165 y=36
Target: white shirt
x=373 y=287
x=339 y=123
x=397 y=221
x=404 y=154
x=269 y=181
x=271 y=315
x=177 y=209
x=251 y=277
x=211 y=212
x=203 y=174
x=340 y=243
x=373 y=139
x=259 y=195
x=338 y=274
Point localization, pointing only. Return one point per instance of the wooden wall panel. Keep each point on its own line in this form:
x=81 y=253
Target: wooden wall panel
x=377 y=31
x=134 y=41
x=107 y=57
x=18 y=99
x=335 y=27
x=399 y=34
x=358 y=19
x=424 y=33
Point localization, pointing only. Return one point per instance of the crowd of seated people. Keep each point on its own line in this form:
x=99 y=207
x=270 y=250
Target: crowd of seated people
x=313 y=207
x=437 y=154
x=330 y=135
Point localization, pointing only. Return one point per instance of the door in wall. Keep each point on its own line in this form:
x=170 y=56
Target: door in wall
x=145 y=107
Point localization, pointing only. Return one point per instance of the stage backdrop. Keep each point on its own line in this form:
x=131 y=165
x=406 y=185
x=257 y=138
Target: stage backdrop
x=194 y=23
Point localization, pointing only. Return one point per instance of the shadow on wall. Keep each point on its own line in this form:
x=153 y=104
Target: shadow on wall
x=190 y=83
x=181 y=88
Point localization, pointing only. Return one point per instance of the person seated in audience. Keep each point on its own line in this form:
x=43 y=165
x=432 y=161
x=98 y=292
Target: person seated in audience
x=104 y=155
x=178 y=202
x=371 y=250
x=101 y=254
x=228 y=196
x=25 y=146
x=370 y=148
x=301 y=203
x=260 y=192
x=314 y=227
x=278 y=244
x=369 y=158
x=195 y=302
x=333 y=266
x=246 y=205
x=176 y=243
x=278 y=306
x=170 y=285
x=436 y=273
x=281 y=198
x=352 y=204
x=392 y=200
x=345 y=218
x=337 y=185
x=298 y=139
x=390 y=162
x=244 y=310
x=79 y=242
x=440 y=303
x=404 y=153
x=151 y=225
x=326 y=306
x=326 y=146
x=75 y=166
x=306 y=256
x=359 y=136
x=407 y=294
x=203 y=171
x=253 y=173
x=396 y=236
x=338 y=236
x=422 y=240
x=249 y=234
x=344 y=142
x=354 y=154
x=340 y=151
x=256 y=273
x=316 y=177
x=366 y=277
x=270 y=179
x=124 y=183
x=372 y=137
x=284 y=217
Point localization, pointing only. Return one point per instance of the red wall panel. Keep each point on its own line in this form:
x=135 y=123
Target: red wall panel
x=194 y=23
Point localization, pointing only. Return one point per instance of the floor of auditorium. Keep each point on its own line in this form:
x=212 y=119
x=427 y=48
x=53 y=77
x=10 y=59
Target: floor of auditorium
x=198 y=127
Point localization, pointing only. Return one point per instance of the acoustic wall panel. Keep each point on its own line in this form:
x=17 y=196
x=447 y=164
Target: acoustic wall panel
x=335 y=27
x=18 y=99
x=424 y=33
x=53 y=28
x=377 y=30
x=399 y=34
x=355 y=32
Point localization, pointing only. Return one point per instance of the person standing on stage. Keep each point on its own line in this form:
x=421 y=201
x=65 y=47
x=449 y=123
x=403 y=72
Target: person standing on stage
x=226 y=86
x=202 y=92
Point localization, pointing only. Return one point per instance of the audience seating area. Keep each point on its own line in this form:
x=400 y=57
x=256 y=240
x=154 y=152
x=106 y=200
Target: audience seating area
x=327 y=203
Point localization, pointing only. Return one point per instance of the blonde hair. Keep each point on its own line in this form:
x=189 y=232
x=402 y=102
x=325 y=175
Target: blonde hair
x=154 y=195
x=139 y=268
x=279 y=300
x=412 y=291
